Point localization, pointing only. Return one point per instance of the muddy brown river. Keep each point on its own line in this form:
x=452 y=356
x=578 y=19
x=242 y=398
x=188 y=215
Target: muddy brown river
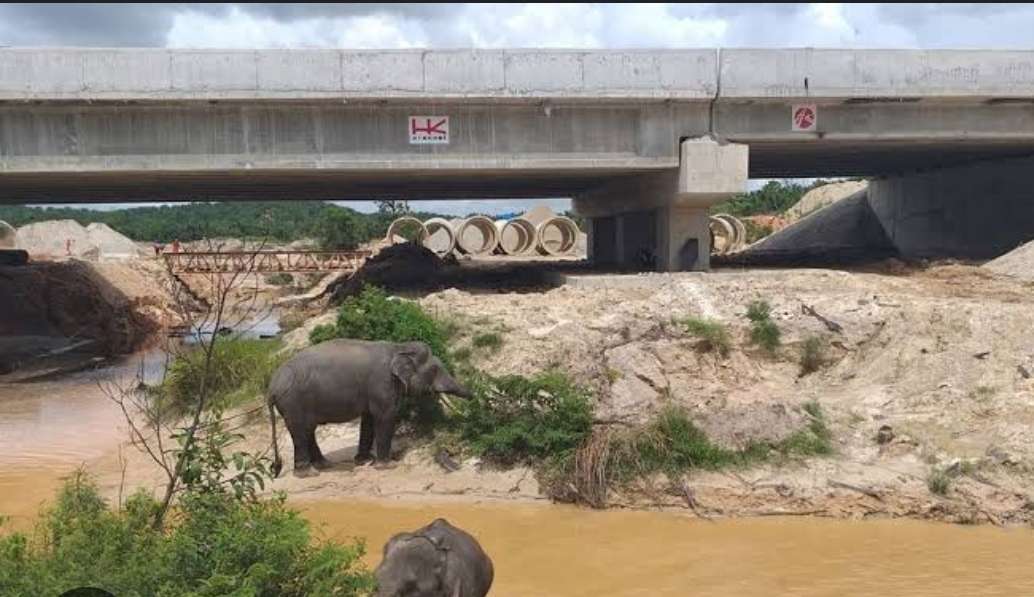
x=49 y=428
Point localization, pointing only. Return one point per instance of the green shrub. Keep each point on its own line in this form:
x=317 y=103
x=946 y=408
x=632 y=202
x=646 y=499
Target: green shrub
x=939 y=482
x=763 y=331
x=218 y=546
x=280 y=279
x=812 y=355
x=712 y=334
x=815 y=440
x=240 y=371
x=373 y=315
x=671 y=443
x=514 y=419
x=490 y=340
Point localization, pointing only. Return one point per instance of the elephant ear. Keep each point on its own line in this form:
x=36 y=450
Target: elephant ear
x=407 y=361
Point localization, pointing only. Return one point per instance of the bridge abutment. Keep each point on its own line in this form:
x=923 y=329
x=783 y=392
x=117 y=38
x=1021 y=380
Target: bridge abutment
x=659 y=221
x=976 y=211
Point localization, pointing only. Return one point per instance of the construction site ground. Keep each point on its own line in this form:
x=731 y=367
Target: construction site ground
x=941 y=358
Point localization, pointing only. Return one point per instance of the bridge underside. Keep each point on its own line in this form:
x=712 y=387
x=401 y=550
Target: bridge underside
x=767 y=159
x=116 y=187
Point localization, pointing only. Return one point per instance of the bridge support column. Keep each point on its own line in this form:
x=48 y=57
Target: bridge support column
x=977 y=211
x=659 y=221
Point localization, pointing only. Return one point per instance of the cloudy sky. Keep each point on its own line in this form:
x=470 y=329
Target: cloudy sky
x=371 y=25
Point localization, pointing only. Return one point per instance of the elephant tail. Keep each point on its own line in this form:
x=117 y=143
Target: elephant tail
x=278 y=465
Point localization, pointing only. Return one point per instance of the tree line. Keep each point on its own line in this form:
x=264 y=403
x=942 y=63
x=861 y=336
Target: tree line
x=333 y=226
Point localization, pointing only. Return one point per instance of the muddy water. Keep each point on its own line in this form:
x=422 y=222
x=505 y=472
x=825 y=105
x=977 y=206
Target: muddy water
x=551 y=550
x=49 y=428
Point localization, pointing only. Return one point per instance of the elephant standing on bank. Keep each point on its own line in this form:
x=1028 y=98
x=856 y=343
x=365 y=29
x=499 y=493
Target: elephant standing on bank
x=341 y=380
x=438 y=560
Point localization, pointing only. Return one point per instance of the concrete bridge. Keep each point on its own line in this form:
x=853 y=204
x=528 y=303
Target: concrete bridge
x=644 y=141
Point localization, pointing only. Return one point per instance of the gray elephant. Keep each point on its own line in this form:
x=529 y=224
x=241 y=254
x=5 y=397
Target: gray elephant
x=341 y=380
x=438 y=560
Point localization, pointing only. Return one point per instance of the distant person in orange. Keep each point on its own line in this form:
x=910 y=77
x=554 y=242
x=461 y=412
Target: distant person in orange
x=68 y=246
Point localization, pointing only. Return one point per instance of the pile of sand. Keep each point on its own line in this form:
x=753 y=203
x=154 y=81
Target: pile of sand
x=1018 y=263
x=824 y=196
x=111 y=243
x=67 y=238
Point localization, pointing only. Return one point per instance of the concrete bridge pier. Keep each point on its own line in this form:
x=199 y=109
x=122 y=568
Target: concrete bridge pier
x=659 y=221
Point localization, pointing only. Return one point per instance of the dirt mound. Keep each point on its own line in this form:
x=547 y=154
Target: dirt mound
x=57 y=238
x=823 y=196
x=110 y=243
x=406 y=265
x=1018 y=263
x=111 y=308
x=67 y=238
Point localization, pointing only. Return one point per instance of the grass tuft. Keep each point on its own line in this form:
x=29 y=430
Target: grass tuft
x=712 y=334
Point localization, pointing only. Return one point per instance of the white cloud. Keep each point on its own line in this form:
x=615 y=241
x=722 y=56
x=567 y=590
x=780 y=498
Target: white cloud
x=238 y=29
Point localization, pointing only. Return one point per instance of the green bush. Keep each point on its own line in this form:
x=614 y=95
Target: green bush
x=712 y=334
x=763 y=331
x=939 y=482
x=673 y=445
x=218 y=546
x=373 y=315
x=514 y=419
x=240 y=371
x=812 y=355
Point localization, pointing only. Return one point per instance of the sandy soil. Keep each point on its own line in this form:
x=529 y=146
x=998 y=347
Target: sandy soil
x=944 y=357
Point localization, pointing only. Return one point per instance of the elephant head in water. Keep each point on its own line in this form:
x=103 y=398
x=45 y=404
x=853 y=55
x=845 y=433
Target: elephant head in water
x=341 y=380
x=438 y=560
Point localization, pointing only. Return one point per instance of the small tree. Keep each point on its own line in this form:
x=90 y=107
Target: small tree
x=393 y=209
x=340 y=229
x=190 y=444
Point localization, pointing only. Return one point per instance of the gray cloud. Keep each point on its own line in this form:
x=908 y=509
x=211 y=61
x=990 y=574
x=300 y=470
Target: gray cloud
x=487 y=25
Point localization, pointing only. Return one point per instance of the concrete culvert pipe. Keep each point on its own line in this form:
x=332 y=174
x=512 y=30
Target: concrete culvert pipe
x=723 y=235
x=476 y=235
x=517 y=237
x=441 y=238
x=406 y=229
x=557 y=236
x=739 y=232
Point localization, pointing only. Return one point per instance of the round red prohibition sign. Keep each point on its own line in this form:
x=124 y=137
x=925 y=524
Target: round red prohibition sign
x=804 y=117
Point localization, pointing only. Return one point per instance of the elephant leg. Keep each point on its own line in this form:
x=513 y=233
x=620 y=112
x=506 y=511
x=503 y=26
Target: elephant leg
x=318 y=460
x=302 y=449
x=365 y=452
x=384 y=433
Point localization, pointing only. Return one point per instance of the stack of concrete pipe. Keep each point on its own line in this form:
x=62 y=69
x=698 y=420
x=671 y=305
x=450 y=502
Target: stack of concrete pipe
x=728 y=234
x=537 y=231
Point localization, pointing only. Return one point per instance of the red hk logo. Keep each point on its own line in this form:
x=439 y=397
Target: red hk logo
x=428 y=129
x=804 y=117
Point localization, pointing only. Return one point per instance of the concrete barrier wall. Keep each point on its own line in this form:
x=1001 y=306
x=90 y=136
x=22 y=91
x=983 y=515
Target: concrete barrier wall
x=977 y=211
x=846 y=74
x=159 y=74
x=688 y=75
